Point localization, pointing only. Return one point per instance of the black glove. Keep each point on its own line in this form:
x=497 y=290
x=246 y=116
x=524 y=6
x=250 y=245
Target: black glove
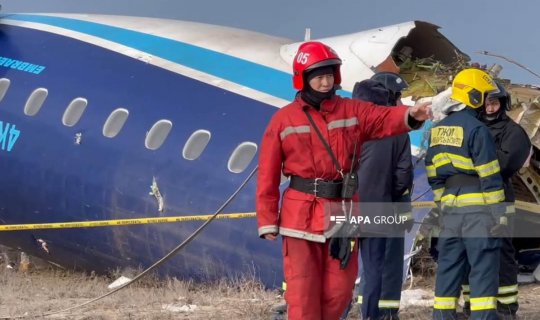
x=340 y=248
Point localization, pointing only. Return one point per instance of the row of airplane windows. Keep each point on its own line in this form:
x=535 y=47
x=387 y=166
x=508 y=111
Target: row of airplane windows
x=238 y=161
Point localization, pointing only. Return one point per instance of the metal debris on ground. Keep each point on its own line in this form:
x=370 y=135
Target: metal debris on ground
x=176 y=308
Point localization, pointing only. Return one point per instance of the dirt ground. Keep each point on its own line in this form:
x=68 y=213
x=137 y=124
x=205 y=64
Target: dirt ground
x=40 y=293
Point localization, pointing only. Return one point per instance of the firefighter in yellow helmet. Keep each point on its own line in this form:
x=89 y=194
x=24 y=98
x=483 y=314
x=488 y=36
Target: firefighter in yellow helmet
x=464 y=174
x=513 y=149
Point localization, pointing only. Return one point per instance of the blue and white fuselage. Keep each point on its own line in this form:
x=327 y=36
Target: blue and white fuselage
x=96 y=109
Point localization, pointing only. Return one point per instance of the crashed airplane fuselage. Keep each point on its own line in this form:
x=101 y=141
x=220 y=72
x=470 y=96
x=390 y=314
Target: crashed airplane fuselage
x=107 y=117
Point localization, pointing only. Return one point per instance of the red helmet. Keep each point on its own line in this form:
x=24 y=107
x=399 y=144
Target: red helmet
x=313 y=55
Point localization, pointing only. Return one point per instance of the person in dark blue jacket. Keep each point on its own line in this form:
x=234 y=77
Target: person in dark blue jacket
x=465 y=177
x=387 y=175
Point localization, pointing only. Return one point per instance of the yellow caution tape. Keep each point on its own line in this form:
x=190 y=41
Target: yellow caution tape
x=120 y=222
x=531 y=207
x=424 y=204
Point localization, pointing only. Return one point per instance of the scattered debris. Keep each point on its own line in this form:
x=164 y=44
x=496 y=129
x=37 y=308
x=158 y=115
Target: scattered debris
x=24 y=264
x=536 y=273
x=119 y=282
x=416 y=297
x=43 y=245
x=154 y=191
x=176 y=308
x=525 y=278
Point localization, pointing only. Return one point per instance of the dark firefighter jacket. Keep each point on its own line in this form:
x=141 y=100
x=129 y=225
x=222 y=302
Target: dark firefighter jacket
x=385 y=167
x=513 y=147
x=385 y=181
x=462 y=146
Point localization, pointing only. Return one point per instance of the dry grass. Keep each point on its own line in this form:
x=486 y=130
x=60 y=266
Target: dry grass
x=47 y=290
x=40 y=292
x=422 y=263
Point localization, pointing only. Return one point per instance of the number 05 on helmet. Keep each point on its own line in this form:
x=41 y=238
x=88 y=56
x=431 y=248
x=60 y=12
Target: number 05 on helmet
x=313 y=55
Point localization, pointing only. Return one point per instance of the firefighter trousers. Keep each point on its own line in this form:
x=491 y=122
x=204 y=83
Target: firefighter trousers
x=507 y=296
x=372 y=251
x=317 y=289
x=465 y=241
x=392 y=279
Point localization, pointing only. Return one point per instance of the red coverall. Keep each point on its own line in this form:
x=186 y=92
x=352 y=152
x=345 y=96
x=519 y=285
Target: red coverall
x=316 y=287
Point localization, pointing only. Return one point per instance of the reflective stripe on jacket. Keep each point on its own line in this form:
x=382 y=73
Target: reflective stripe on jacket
x=461 y=144
x=292 y=145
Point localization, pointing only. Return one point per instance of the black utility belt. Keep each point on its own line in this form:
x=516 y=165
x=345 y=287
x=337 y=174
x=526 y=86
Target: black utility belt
x=318 y=187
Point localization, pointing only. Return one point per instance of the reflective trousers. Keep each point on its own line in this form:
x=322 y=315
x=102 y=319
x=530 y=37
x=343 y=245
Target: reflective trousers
x=507 y=295
x=387 y=303
x=465 y=242
x=317 y=289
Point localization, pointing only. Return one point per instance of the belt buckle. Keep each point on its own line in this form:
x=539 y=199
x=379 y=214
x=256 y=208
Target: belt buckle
x=315 y=184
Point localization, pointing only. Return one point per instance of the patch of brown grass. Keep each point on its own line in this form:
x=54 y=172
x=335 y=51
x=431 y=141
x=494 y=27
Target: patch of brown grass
x=422 y=264
x=35 y=293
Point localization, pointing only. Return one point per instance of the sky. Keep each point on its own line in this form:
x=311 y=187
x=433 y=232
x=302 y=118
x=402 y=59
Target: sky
x=504 y=27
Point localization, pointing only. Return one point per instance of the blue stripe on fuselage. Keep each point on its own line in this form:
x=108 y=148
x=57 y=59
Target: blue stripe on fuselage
x=270 y=81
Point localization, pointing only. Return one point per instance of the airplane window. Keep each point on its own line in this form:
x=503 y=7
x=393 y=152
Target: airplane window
x=157 y=135
x=196 y=144
x=241 y=157
x=115 y=122
x=35 y=101
x=4 y=86
x=74 y=112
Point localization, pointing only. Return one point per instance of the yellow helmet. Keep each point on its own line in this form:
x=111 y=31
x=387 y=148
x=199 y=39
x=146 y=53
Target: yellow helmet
x=470 y=86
